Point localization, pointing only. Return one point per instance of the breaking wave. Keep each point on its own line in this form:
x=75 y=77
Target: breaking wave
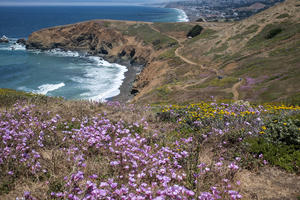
x=182 y=17
x=44 y=89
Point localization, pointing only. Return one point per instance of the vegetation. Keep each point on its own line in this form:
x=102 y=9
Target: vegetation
x=173 y=27
x=169 y=54
x=195 y=31
x=272 y=34
x=100 y=149
x=216 y=82
x=205 y=150
x=150 y=37
x=249 y=30
x=207 y=34
x=219 y=49
x=8 y=97
x=284 y=15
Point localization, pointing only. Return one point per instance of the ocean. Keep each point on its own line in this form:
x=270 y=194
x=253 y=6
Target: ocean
x=67 y=74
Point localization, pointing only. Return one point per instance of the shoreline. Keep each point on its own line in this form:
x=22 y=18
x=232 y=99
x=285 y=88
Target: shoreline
x=125 y=94
x=190 y=16
x=133 y=70
x=183 y=17
x=125 y=89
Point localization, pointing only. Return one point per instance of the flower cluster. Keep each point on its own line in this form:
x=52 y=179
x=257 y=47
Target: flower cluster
x=22 y=134
x=99 y=157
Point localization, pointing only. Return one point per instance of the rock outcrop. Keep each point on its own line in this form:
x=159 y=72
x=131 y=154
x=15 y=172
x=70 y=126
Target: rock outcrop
x=4 y=39
x=93 y=37
x=110 y=42
x=21 y=41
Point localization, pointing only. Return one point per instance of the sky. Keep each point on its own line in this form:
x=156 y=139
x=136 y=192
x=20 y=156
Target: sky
x=77 y=2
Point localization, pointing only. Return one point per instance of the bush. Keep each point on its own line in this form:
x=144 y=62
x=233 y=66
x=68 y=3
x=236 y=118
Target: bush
x=196 y=30
x=284 y=156
x=273 y=32
x=284 y=15
x=283 y=130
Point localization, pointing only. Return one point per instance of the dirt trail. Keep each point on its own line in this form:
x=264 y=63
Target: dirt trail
x=234 y=90
x=181 y=46
x=235 y=87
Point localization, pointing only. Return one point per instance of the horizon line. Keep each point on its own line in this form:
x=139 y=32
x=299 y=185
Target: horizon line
x=5 y=4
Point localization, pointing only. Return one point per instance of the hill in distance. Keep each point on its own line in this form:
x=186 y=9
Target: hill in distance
x=256 y=59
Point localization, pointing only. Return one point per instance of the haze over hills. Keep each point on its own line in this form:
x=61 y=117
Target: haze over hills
x=221 y=10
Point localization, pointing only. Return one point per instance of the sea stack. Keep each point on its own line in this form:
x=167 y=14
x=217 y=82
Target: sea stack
x=4 y=39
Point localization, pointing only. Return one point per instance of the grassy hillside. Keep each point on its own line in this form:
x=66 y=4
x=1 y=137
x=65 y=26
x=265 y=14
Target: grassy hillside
x=125 y=151
x=261 y=51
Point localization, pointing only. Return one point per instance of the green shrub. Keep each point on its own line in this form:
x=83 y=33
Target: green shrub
x=280 y=130
x=273 y=32
x=284 y=15
x=196 y=30
x=284 y=156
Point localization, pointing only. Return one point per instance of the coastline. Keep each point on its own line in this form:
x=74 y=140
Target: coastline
x=122 y=84
x=125 y=94
x=189 y=15
x=133 y=70
x=183 y=17
x=126 y=77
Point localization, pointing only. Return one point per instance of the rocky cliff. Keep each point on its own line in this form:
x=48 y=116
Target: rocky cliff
x=95 y=38
x=133 y=44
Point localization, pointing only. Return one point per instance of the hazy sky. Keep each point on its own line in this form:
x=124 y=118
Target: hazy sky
x=76 y=2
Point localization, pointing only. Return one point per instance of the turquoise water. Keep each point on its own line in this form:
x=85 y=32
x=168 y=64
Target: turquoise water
x=67 y=74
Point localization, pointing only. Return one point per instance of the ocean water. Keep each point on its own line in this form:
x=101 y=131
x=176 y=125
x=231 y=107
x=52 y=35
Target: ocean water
x=67 y=74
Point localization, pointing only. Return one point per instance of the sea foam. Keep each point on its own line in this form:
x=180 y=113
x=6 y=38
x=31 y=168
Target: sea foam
x=44 y=89
x=117 y=82
x=12 y=46
x=96 y=71
x=60 y=53
x=182 y=17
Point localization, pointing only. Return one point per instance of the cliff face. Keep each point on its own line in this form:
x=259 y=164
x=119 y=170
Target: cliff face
x=94 y=37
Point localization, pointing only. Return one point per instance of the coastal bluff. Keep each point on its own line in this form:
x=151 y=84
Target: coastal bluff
x=133 y=44
x=94 y=38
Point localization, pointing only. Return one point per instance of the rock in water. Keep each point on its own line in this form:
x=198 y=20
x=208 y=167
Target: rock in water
x=4 y=39
x=21 y=41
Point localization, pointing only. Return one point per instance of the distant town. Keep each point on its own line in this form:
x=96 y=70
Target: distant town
x=221 y=10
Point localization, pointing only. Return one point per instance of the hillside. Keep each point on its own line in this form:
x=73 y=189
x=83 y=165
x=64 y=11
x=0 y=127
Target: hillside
x=177 y=146
x=269 y=64
x=202 y=151
x=177 y=70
